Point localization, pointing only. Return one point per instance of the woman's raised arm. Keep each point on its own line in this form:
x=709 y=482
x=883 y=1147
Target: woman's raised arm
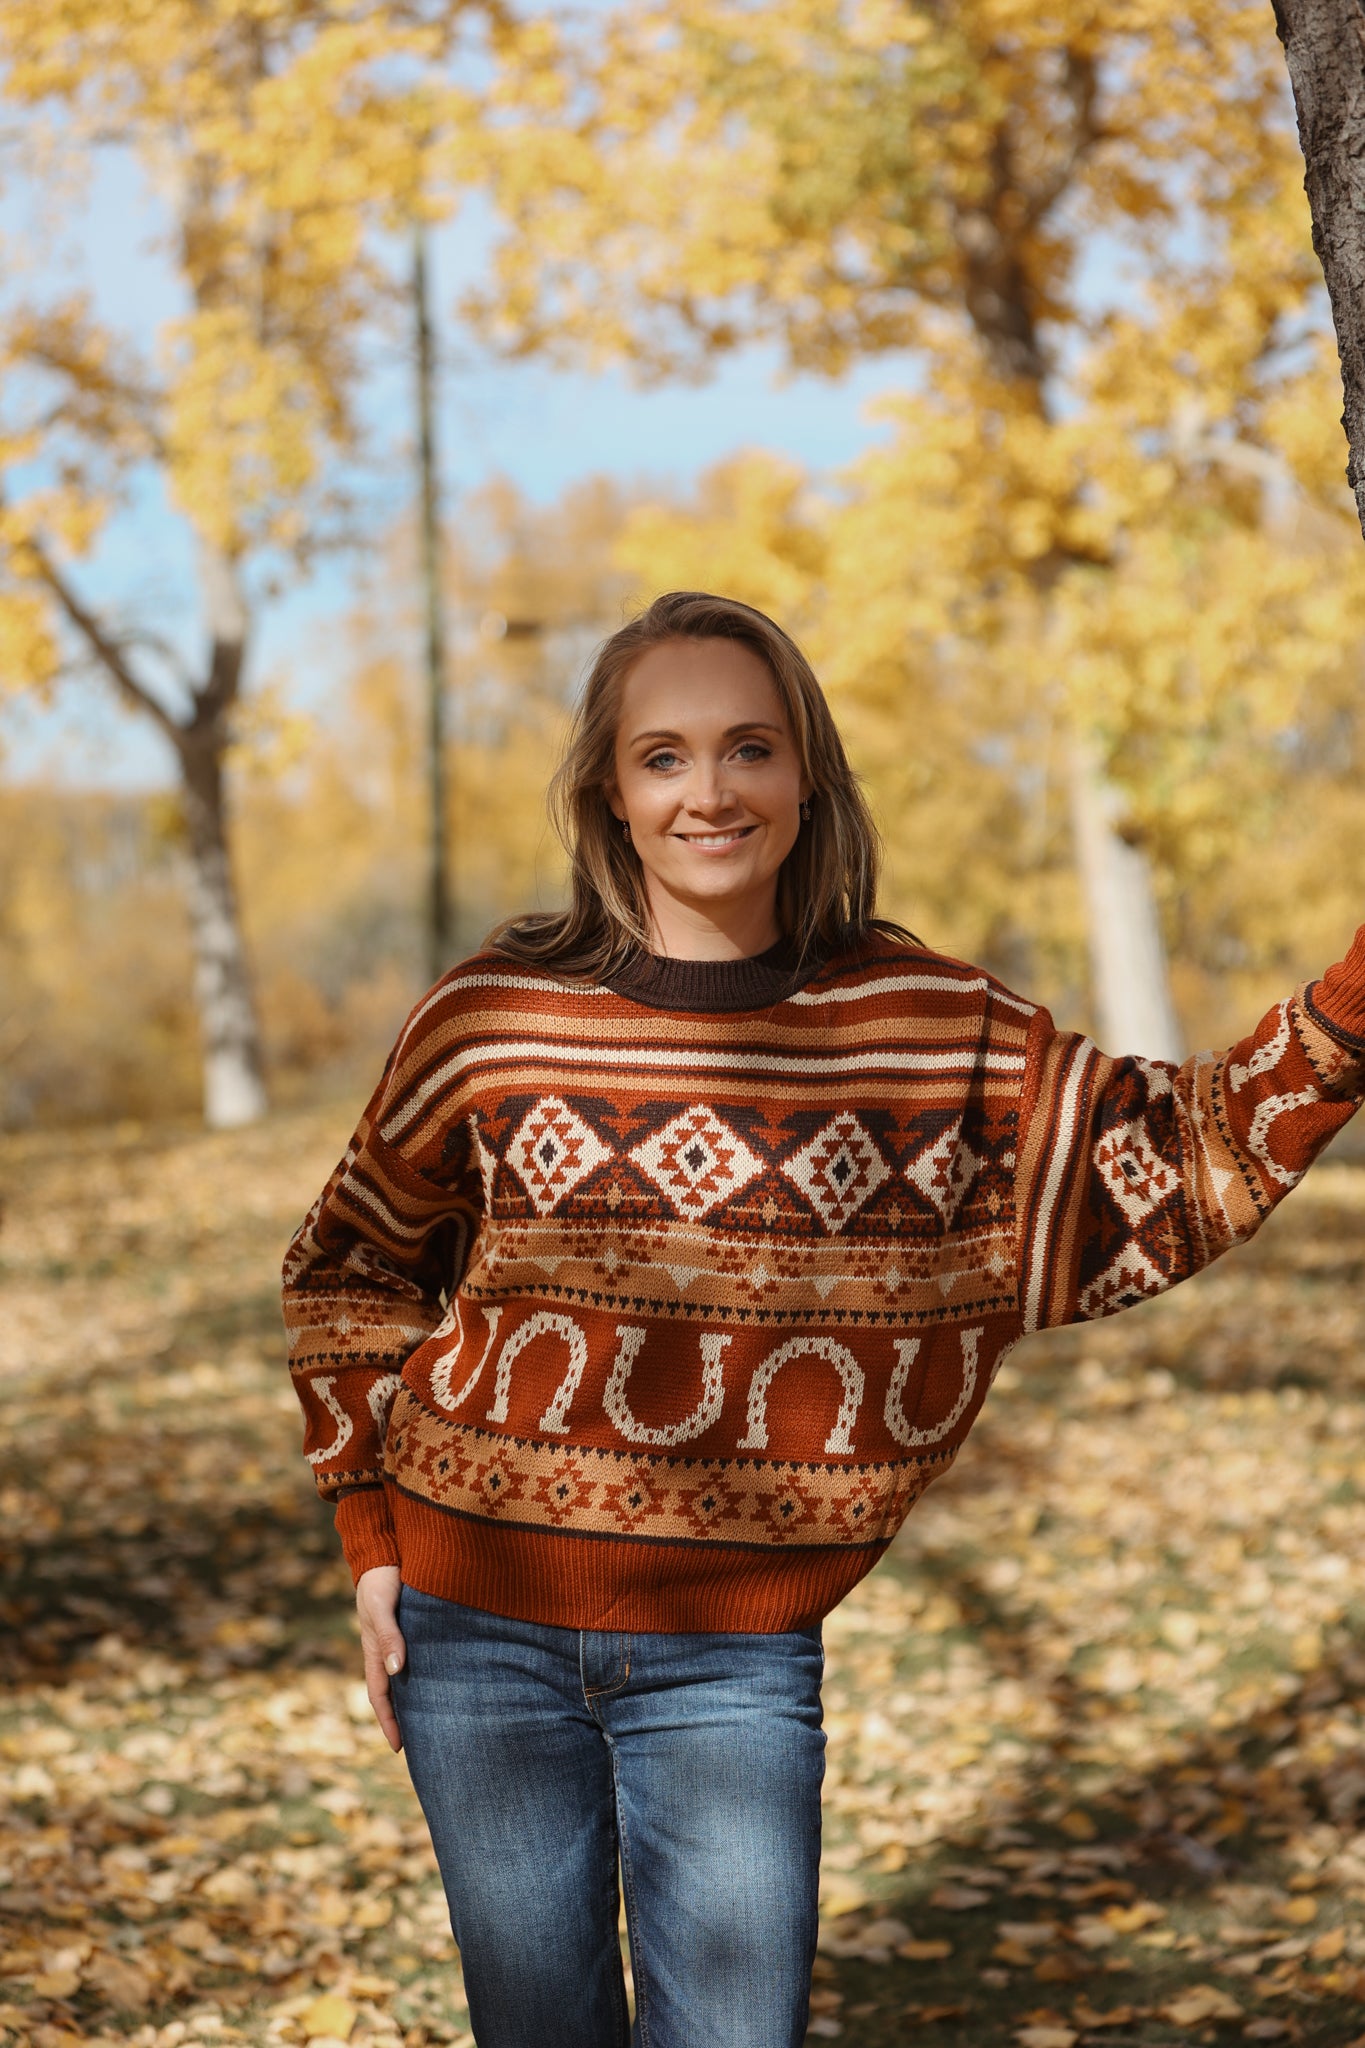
x=1133 y=1174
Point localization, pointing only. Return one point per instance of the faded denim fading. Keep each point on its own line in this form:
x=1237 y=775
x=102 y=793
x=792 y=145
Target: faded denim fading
x=541 y=1755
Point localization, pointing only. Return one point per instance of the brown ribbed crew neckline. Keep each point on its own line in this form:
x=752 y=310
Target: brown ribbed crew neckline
x=663 y=983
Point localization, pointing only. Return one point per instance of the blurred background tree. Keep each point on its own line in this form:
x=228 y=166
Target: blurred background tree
x=1089 y=605
x=280 y=138
x=328 y=834
x=1099 y=572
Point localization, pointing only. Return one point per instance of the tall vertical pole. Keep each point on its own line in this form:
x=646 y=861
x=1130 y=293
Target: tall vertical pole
x=439 y=921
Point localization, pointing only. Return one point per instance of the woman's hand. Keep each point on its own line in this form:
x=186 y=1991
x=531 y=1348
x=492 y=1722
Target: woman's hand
x=376 y=1601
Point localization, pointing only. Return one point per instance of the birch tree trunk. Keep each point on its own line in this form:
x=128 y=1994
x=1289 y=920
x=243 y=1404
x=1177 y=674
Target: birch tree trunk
x=1129 y=979
x=234 y=1086
x=1129 y=976
x=234 y=1081
x=1324 y=45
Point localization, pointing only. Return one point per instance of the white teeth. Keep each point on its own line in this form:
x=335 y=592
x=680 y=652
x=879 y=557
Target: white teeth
x=713 y=838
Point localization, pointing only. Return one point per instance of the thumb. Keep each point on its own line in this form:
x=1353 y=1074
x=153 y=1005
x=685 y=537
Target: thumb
x=393 y=1651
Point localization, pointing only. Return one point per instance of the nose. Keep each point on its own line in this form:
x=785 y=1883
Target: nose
x=707 y=793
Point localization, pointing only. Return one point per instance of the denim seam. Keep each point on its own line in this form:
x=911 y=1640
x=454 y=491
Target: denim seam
x=602 y=1692
x=637 y=1959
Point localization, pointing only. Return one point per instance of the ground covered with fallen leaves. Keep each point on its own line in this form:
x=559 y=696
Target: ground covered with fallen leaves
x=1097 y=1757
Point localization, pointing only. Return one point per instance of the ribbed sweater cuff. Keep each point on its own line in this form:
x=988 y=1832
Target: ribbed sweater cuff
x=1337 y=1000
x=366 y=1530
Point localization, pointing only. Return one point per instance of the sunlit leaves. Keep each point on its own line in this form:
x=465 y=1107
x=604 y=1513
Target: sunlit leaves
x=279 y=141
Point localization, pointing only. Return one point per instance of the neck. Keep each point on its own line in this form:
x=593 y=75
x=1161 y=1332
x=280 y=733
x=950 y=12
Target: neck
x=687 y=932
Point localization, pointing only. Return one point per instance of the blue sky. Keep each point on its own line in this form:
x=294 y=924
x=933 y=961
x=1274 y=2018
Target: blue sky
x=541 y=427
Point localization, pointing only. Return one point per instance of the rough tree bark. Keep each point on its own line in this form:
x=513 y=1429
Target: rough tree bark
x=1324 y=45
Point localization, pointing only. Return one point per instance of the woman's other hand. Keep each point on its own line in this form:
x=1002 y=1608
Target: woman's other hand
x=376 y=1601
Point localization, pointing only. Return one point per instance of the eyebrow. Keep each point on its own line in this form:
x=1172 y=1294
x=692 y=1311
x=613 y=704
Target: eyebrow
x=748 y=725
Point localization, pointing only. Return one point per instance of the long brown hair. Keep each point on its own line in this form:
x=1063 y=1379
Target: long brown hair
x=827 y=885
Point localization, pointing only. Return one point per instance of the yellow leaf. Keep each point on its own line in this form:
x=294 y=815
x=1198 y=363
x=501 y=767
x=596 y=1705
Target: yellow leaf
x=1129 y=1919
x=373 y=1913
x=331 y=2015
x=1200 y=2003
x=57 y=1983
x=840 y=1898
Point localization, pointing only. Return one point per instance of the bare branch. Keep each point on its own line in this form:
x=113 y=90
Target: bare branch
x=102 y=644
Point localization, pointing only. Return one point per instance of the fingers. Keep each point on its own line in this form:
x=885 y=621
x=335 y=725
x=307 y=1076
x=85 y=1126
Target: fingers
x=382 y=1643
x=381 y=1699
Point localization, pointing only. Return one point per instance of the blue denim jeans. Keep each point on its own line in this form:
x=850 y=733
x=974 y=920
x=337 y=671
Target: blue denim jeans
x=542 y=1755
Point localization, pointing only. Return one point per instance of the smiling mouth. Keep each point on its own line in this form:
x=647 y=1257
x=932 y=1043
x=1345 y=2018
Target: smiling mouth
x=716 y=839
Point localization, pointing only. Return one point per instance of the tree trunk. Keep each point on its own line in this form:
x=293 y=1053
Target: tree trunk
x=1134 y=1012
x=234 y=1086
x=234 y=1081
x=1129 y=977
x=1324 y=45
x=439 y=907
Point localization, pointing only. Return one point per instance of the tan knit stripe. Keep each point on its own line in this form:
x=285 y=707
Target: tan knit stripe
x=856 y=1299
x=894 y=984
x=483 y=1035
x=1223 y=1188
x=721 y=1061
x=680 y=1240
x=362 y=1195
x=712 y=1500
x=481 y=1026
x=1062 y=1087
x=783 y=1096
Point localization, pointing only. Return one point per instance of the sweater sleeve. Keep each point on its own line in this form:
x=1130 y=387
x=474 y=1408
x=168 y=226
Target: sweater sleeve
x=1133 y=1174
x=371 y=1269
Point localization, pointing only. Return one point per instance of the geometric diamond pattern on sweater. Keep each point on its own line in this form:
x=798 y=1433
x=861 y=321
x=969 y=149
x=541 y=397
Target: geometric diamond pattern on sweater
x=552 y=1151
x=1136 y=1177
x=838 y=1170
x=945 y=1170
x=696 y=1161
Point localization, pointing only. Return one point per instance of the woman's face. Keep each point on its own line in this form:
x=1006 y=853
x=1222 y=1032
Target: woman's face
x=709 y=781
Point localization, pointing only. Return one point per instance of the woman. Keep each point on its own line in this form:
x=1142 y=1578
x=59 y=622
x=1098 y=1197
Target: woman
x=670 y=1262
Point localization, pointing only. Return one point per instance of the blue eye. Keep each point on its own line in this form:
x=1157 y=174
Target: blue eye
x=754 y=750
x=664 y=760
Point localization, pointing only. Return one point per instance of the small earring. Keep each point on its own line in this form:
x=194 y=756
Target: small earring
x=625 y=827
x=805 y=810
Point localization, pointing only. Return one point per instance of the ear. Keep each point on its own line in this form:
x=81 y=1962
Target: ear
x=614 y=803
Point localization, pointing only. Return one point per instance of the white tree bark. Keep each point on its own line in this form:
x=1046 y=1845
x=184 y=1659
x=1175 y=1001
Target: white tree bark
x=234 y=1087
x=234 y=1082
x=1129 y=978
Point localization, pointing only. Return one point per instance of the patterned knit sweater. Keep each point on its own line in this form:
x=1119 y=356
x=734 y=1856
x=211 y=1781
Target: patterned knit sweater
x=657 y=1305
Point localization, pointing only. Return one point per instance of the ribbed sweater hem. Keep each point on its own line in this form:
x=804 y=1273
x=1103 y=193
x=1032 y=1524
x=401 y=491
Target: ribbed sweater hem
x=580 y=1581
